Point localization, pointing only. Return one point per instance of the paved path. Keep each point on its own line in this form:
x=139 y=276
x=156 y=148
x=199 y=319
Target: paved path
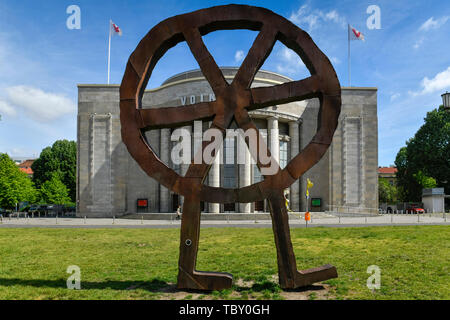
x=385 y=220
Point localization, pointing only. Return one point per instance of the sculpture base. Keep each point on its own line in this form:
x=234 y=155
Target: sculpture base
x=208 y=281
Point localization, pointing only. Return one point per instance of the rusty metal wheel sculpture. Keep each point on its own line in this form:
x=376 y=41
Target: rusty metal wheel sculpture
x=233 y=101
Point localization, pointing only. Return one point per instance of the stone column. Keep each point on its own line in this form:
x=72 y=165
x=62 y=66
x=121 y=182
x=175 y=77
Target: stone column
x=245 y=178
x=214 y=181
x=295 y=146
x=274 y=143
x=164 y=153
x=185 y=167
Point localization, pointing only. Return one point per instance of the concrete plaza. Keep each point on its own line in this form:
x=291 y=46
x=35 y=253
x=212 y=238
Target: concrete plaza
x=296 y=220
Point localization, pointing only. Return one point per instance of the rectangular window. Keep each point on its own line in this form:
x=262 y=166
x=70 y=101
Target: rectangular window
x=229 y=168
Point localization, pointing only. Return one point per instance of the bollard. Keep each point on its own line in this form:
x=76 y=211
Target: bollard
x=365 y=219
x=392 y=218
x=339 y=215
x=56 y=219
x=228 y=218
x=114 y=219
x=84 y=219
x=142 y=219
x=418 y=218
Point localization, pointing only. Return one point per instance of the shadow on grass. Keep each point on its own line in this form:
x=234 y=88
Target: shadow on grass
x=307 y=288
x=155 y=285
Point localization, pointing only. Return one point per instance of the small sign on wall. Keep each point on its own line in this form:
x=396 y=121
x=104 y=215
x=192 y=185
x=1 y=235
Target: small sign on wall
x=316 y=202
x=142 y=205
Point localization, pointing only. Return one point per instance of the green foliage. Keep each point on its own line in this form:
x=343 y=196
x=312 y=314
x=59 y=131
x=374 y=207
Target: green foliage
x=60 y=159
x=386 y=192
x=424 y=181
x=15 y=186
x=425 y=157
x=54 y=191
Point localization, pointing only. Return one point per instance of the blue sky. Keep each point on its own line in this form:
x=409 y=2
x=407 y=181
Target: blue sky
x=42 y=61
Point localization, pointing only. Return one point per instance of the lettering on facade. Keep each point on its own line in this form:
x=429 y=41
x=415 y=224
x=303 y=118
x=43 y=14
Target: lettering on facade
x=193 y=99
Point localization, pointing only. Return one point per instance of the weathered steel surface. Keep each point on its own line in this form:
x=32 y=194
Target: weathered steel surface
x=233 y=101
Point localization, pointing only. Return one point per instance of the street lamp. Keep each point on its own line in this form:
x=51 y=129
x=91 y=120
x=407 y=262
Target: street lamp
x=446 y=100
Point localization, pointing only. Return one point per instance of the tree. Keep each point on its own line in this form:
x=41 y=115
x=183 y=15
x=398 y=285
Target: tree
x=60 y=159
x=15 y=186
x=423 y=181
x=426 y=157
x=387 y=193
x=53 y=191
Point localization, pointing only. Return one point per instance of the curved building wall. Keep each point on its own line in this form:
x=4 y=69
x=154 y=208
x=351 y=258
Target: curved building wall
x=109 y=181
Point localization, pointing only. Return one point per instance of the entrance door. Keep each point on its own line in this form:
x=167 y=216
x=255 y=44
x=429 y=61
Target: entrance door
x=229 y=207
x=175 y=202
x=259 y=206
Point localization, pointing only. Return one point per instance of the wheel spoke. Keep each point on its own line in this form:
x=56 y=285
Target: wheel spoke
x=206 y=62
x=285 y=93
x=260 y=50
x=171 y=116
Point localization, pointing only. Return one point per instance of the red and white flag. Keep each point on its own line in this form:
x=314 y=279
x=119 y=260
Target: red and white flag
x=355 y=34
x=115 y=29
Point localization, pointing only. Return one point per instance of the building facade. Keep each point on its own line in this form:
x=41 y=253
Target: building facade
x=110 y=183
x=388 y=173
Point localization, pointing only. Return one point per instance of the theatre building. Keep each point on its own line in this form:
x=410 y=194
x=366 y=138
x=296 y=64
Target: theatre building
x=110 y=183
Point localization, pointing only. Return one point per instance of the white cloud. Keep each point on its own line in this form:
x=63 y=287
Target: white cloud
x=37 y=104
x=290 y=62
x=395 y=96
x=418 y=43
x=335 y=60
x=433 y=24
x=20 y=152
x=439 y=83
x=335 y=17
x=301 y=17
x=6 y=109
x=304 y=16
x=239 y=56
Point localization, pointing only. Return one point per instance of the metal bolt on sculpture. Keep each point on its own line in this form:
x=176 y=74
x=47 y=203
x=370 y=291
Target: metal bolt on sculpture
x=233 y=101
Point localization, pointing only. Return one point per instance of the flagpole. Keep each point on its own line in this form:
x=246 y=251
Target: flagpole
x=349 y=67
x=109 y=51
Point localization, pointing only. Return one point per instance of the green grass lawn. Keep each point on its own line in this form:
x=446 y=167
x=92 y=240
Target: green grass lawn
x=142 y=263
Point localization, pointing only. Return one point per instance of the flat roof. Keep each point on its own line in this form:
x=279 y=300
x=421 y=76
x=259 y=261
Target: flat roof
x=184 y=77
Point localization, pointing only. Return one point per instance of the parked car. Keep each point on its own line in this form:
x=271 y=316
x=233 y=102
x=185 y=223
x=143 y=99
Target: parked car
x=38 y=208
x=69 y=210
x=4 y=212
x=414 y=209
x=33 y=208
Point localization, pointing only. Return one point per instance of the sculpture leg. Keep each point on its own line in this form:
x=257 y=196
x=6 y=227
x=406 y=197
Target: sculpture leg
x=188 y=277
x=289 y=276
